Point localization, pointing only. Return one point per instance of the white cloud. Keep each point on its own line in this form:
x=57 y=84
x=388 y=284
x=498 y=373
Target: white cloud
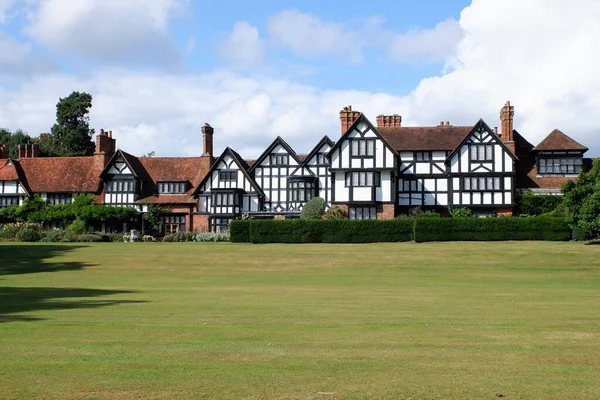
x=18 y=59
x=243 y=45
x=310 y=36
x=5 y=6
x=107 y=30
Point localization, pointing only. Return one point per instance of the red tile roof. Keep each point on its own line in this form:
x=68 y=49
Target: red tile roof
x=557 y=140
x=62 y=174
x=168 y=199
x=8 y=172
x=426 y=138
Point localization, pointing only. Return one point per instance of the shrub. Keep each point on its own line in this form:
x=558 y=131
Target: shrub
x=488 y=229
x=460 y=212
x=78 y=227
x=313 y=209
x=148 y=238
x=179 y=237
x=335 y=212
x=52 y=236
x=89 y=238
x=10 y=231
x=536 y=204
x=212 y=237
x=330 y=231
x=239 y=230
x=27 y=234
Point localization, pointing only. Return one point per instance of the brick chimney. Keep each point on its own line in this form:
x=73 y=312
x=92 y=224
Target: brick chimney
x=348 y=117
x=4 y=153
x=389 y=121
x=507 y=114
x=207 y=158
x=105 y=145
x=29 y=150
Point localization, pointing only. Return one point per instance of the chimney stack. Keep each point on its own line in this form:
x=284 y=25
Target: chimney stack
x=29 y=150
x=207 y=139
x=4 y=152
x=347 y=118
x=389 y=121
x=507 y=114
x=106 y=146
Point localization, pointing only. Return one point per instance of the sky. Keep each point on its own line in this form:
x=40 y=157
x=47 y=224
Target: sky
x=158 y=70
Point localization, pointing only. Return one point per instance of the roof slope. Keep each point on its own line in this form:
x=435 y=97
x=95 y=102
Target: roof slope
x=62 y=174
x=8 y=172
x=557 y=140
x=425 y=138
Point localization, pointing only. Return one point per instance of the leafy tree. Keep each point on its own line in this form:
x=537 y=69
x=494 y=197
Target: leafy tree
x=582 y=198
x=313 y=209
x=71 y=134
x=12 y=139
x=153 y=221
x=530 y=203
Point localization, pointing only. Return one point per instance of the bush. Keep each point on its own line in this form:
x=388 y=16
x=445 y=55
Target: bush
x=536 y=204
x=78 y=227
x=335 y=212
x=239 y=230
x=328 y=231
x=488 y=229
x=313 y=209
x=27 y=234
x=52 y=236
x=10 y=231
x=460 y=212
x=89 y=238
x=180 y=237
x=212 y=237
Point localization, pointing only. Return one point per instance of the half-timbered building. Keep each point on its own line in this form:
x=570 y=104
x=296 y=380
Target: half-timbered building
x=373 y=171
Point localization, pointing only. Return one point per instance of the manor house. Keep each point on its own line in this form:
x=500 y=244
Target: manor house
x=374 y=171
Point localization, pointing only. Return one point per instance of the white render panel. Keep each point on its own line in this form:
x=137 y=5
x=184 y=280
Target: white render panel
x=438 y=156
x=341 y=191
x=202 y=203
x=498 y=198
x=476 y=198
x=464 y=159
x=406 y=156
x=442 y=185
x=368 y=163
x=442 y=199
x=429 y=185
x=487 y=198
x=466 y=198
x=456 y=198
x=498 y=156
x=422 y=168
x=355 y=163
x=386 y=186
x=454 y=163
x=508 y=197
x=389 y=158
x=370 y=134
x=345 y=148
x=335 y=158
x=508 y=163
x=507 y=183
x=362 y=127
x=361 y=194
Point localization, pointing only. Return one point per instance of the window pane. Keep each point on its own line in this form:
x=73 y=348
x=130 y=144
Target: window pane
x=473 y=153
x=354 y=150
x=369 y=179
x=488 y=152
x=355 y=179
x=496 y=183
x=362 y=148
x=467 y=183
x=481 y=152
x=419 y=156
x=481 y=183
x=348 y=179
x=490 y=183
x=370 y=147
x=474 y=184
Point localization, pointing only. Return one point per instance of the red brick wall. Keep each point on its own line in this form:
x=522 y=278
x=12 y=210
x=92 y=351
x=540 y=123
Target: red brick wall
x=386 y=211
x=504 y=212
x=199 y=223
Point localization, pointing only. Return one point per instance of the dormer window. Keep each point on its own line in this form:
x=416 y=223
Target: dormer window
x=172 y=187
x=559 y=164
x=482 y=152
x=227 y=176
x=279 y=159
x=120 y=186
x=362 y=147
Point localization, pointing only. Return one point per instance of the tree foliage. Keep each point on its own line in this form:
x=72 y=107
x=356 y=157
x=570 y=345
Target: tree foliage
x=460 y=212
x=313 y=209
x=335 y=212
x=536 y=204
x=71 y=134
x=153 y=221
x=12 y=139
x=582 y=199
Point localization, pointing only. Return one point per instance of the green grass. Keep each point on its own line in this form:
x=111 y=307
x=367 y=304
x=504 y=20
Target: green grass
x=223 y=321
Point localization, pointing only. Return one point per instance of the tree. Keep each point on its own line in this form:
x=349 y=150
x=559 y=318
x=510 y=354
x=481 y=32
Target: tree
x=582 y=199
x=12 y=139
x=313 y=209
x=71 y=134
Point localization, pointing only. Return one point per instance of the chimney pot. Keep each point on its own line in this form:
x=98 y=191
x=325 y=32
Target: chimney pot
x=447 y=123
x=101 y=131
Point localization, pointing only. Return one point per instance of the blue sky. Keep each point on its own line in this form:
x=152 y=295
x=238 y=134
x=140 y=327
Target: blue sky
x=159 y=69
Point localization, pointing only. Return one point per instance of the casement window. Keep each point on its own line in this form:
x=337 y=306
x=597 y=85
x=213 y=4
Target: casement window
x=481 y=152
x=173 y=223
x=59 y=198
x=9 y=201
x=411 y=185
x=228 y=176
x=363 y=179
x=423 y=156
x=223 y=199
x=559 y=165
x=219 y=224
x=120 y=186
x=279 y=159
x=321 y=159
x=301 y=191
x=481 y=183
x=172 y=187
x=362 y=147
x=362 y=213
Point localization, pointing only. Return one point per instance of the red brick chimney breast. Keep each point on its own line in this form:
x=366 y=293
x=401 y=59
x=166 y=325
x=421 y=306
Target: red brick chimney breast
x=347 y=118
x=507 y=114
x=389 y=121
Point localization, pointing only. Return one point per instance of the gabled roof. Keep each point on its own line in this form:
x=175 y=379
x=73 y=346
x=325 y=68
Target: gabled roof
x=324 y=140
x=62 y=174
x=241 y=164
x=425 y=138
x=8 y=171
x=361 y=119
x=137 y=169
x=557 y=140
x=481 y=123
x=277 y=142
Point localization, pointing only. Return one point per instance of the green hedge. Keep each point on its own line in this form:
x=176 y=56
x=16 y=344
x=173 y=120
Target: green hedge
x=322 y=231
x=400 y=230
x=240 y=230
x=489 y=229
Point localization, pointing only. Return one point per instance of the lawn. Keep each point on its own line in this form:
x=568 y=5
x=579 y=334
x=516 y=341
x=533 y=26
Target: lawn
x=228 y=321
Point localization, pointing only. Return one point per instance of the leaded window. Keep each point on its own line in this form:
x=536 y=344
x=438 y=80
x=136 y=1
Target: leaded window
x=321 y=159
x=363 y=179
x=362 y=213
x=279 y=159
x=173 y=223
x=481 y=183
x=228 y=176
x=223 y=199
x=559 y=165
x=301 y=191
x=218 y=224
x=9 y=201
x=172 y=187
x=482 y=152
x=423 y=156
x=120 y=186
x=59 y=198
x=362 y=147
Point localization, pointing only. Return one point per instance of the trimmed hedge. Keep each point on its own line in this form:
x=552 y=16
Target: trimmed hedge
x=322 y=231
x=400 y=230
x=492 y=229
